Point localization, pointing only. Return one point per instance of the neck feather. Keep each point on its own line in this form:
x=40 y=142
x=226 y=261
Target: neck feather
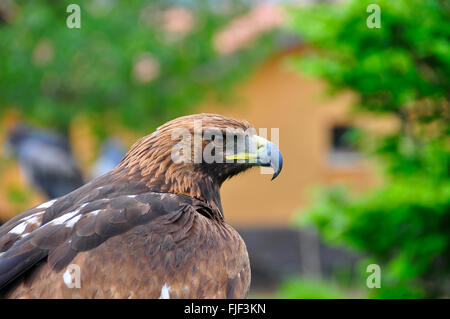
x=147 y=162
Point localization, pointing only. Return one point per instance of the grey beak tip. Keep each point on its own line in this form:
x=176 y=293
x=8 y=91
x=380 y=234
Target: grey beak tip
x=277 y=168
x=271 y=156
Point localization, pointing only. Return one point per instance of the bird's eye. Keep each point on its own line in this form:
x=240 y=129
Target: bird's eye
x=218 y=140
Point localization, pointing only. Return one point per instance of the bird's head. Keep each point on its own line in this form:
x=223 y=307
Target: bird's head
x=195 y=154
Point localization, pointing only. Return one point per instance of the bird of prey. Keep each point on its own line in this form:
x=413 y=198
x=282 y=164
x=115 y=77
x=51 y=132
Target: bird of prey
x=45 y=160
x=111 y=153
x=153 y=227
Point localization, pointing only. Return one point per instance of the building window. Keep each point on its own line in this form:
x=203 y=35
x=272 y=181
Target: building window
x=341 y=151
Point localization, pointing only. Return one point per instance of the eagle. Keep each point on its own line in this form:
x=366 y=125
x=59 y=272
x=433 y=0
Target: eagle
x=153 y=227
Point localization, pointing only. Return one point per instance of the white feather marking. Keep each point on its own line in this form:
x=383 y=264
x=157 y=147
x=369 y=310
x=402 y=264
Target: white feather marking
x=32 y=216
x=95 y=212
x=69 y=217
x=26 y=221
x=72 y=221
x=165 y=292
x=132 y=196
x=47 y=204
x=19 y=229
x=61 y=219
x=67 y=277
x=34 y=219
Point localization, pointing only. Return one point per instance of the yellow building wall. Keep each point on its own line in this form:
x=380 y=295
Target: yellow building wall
x=276 y=97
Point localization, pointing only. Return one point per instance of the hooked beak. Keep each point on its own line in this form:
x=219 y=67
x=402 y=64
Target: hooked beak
x=262 y=153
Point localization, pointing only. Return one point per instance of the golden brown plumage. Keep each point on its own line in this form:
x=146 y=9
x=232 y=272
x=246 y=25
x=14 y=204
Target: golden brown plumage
x=150 y=228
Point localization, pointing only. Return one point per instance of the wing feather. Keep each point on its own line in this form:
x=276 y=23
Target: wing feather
x=69 y=226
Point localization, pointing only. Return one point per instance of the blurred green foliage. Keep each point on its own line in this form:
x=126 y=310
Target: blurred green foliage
x=301 y=288
x=403 y=226
x=17 y=195
x=406 y=60
x=403 y=70
x=137 y=63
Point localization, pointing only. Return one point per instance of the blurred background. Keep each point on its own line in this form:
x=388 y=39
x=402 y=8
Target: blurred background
x=363 y=116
